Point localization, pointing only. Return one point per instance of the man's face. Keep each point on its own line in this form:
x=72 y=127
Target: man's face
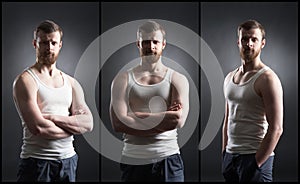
x=47 y=47
x=250 y=44
x=151 y=46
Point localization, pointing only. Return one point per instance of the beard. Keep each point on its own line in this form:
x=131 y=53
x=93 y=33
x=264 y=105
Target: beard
x=47 y=58
x=151 y=57
x=248 y=54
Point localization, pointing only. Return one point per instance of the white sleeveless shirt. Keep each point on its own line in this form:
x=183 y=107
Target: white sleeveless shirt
x=247 y=124
x=50 y=101
x=158 y=146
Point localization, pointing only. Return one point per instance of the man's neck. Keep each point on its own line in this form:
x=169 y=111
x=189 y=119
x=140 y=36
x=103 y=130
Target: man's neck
x=154 y=67
x=251 y=65
x=45 y=69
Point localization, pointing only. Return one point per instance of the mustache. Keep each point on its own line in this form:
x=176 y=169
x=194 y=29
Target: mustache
x=148 y=53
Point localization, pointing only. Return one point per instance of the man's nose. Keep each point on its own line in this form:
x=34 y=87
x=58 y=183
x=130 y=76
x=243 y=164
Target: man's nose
x=152 y=45
x=249 y=43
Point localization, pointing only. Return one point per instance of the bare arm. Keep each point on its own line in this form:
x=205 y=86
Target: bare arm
x=225 y=121
x=25 y=98
x=133 y=124
x=177 y=113
x=224 y=130
x=270 y=89
x=81 y=119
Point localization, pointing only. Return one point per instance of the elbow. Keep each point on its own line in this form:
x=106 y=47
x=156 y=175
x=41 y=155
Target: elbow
x=180 y=123
x=180 y=120
x=36 y=131
x=116 y=127
x=90 y=125
x=279 y=131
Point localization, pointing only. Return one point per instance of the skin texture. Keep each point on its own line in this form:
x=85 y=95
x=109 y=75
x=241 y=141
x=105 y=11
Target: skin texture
x=50 y=126
x=267 y=86
x=150 y=71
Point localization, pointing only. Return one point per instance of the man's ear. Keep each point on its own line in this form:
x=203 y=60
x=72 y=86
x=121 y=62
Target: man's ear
x=263 y=43
x=60 y=44
x=164 y=43
x=138 y=43
x=34 y=43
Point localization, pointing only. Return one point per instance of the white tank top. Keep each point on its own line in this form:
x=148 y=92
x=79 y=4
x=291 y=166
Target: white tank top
x=150 y=147
x=247 y=123
x=50 y=101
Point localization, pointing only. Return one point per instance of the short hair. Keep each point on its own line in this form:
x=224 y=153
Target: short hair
x=151 y=26
x=252 y=24
x=48 y=26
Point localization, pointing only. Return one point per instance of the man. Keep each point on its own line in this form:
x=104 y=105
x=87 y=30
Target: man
x=253 y=120
x=52 y=108
x=149 y=102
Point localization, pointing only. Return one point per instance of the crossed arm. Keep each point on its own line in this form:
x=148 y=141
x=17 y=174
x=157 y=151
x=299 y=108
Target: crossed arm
x=147 y=123
x=50 y=126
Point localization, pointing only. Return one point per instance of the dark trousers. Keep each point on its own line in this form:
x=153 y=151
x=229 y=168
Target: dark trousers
x=41 y=170
x=169 y=169
x=243 y=168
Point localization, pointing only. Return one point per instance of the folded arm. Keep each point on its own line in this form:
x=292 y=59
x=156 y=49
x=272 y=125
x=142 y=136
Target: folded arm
x=25 y=95
x=81 y=119
x=147 y=123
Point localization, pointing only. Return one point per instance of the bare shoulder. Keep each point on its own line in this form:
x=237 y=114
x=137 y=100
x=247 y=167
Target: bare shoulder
x=179 y=77
x=120 y=78
x=269 y=76
x=24 y=80
x=268 y=81
x=72 y=81
x=70 y=78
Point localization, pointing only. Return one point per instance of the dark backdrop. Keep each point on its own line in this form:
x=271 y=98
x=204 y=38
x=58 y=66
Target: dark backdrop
x=80 y=24
x=219 y=22
x=216 y=23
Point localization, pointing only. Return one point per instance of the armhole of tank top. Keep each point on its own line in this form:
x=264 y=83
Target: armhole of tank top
x=169 y=75
x=130 y=78
x=66 y=80
x=233 y=74
x=33 y=75
x=129 y=82
x=261 y=71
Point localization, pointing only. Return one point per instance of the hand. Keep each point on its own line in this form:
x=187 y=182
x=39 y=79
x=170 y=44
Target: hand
x=47 y=116
x=175 y=107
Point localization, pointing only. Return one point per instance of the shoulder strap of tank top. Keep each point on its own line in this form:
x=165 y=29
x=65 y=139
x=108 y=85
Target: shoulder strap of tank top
x=34 y=76
x=130 y=80
x=262 y=70
x=66 y=79
x=233 y=73
x=169 y=74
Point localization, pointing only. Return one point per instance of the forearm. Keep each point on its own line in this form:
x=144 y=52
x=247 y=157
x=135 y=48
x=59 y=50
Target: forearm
x=130 y=124
x=75 y=124
x=163 y=121
x=47 y=129
x=268 y=145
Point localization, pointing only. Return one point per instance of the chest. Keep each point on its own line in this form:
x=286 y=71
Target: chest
x=56 y=81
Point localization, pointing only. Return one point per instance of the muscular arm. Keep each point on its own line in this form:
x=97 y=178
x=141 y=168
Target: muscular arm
x=224 y=130
x=140 y=123
x=25 y=98
x=81 y=119
x=270 y=89
x=225 y=121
